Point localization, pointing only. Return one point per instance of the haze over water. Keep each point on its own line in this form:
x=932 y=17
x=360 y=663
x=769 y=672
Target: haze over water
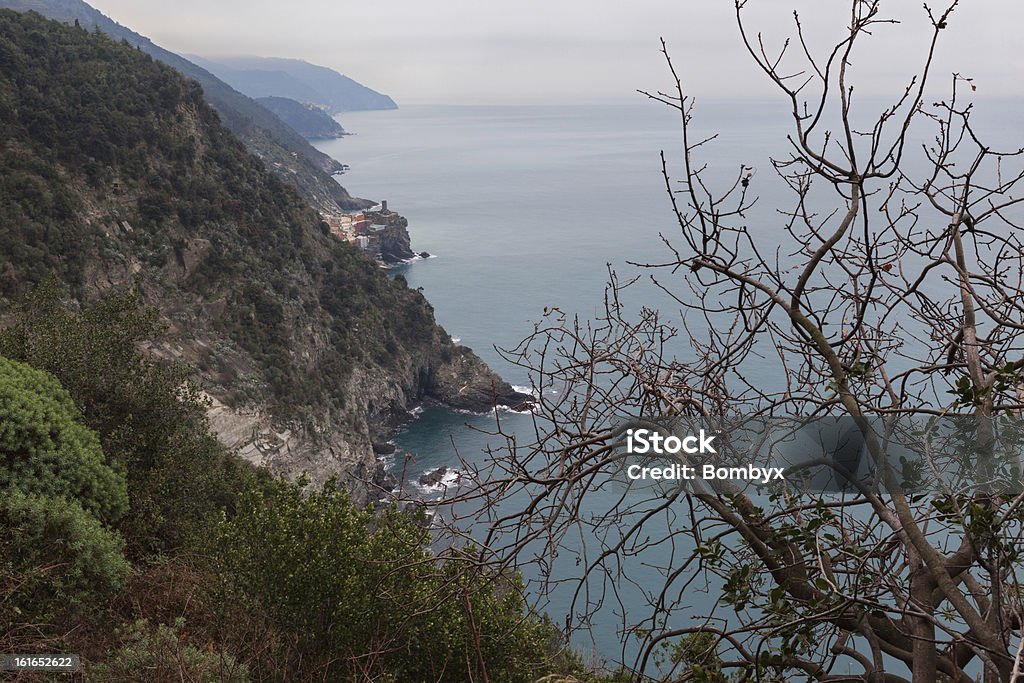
x=523 y=206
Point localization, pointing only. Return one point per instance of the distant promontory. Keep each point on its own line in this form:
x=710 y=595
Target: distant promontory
x=309 y=120
x=297 y=80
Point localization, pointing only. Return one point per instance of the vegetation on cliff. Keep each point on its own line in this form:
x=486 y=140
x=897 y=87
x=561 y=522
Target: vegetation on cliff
x=148 y=262
x=282 y=149
x=213 y=570
x=115 y=172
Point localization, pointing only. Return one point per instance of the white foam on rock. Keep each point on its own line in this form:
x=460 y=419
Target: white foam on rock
x=451 y=479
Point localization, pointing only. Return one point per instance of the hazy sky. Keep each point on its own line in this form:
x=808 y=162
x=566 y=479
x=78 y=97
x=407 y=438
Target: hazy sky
x=482 y=51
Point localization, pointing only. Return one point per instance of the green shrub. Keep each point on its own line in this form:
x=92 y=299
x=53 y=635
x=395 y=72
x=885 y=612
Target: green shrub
x=357 y=593
x=147 y=413
x=55 y=560
x=163 y=653
x=44 y=449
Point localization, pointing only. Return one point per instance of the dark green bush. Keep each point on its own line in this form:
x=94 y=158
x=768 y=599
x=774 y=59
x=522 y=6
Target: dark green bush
x=56 y=560
x=44 y=449
x=360 y=593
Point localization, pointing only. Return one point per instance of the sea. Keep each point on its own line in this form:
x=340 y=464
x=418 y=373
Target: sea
x=524 y=209
x=527 y=208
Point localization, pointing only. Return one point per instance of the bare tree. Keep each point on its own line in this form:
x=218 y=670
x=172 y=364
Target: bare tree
x=889 y=285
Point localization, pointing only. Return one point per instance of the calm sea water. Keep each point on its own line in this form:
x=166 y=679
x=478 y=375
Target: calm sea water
x=525 y=208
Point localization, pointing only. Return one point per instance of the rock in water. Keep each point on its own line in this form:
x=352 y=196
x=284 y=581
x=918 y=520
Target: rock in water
x=434 y=477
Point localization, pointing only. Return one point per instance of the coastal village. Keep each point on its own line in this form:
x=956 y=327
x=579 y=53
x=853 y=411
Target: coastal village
x=382 y=233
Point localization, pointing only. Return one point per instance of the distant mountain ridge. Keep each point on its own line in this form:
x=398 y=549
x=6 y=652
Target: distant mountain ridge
x=308 y=120
x=295 y=79
x=281 y=148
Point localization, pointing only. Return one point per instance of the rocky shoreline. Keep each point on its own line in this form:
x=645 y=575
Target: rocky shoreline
x=461 y=381
x=380 y=400
x=453 y=377
x=329 y=441
x=464 y=383
x=385 y=483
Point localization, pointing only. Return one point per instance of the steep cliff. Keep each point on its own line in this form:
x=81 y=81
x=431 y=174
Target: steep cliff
x=393 y=242
x=115 y=173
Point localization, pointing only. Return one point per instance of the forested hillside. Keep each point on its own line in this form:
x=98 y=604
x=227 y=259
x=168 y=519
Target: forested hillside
x=282 y=149
x=115 y=173
x=149 y=263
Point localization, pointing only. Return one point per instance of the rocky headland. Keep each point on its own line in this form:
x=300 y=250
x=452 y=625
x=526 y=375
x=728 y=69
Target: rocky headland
x=393 y=242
